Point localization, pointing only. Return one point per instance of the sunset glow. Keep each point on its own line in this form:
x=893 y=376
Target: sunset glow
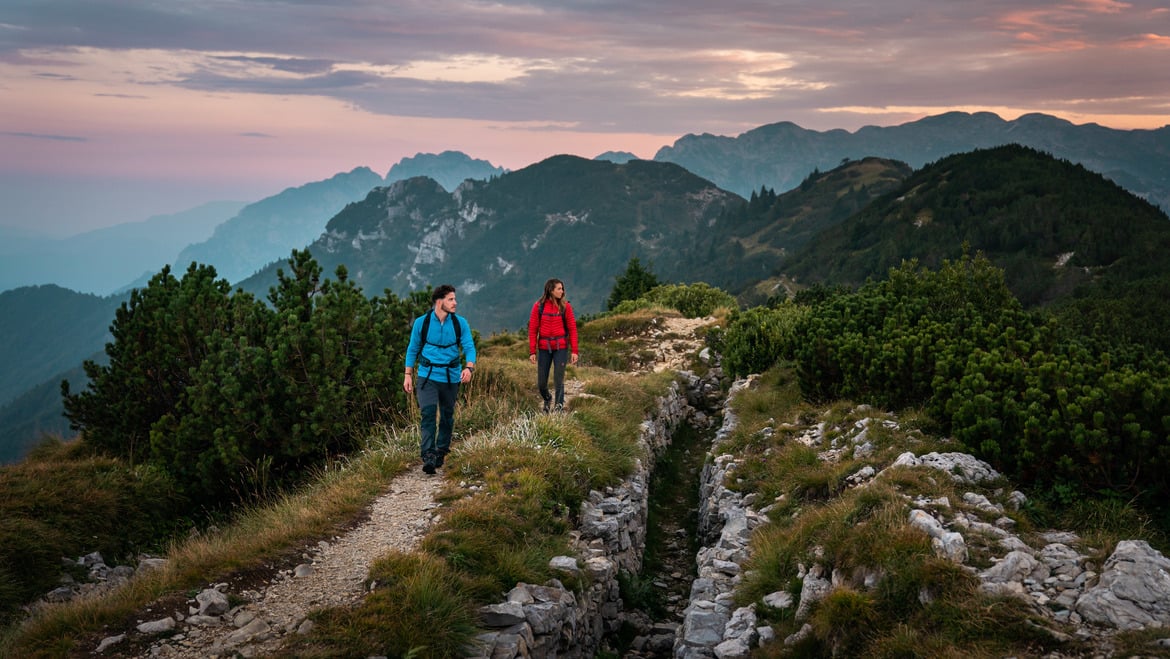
x=243 y=105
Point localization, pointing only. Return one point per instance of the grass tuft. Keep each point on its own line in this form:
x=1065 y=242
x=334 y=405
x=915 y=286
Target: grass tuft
x=410 y=587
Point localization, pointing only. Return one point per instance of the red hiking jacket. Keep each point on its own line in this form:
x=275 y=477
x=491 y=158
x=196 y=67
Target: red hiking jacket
x=546 y=328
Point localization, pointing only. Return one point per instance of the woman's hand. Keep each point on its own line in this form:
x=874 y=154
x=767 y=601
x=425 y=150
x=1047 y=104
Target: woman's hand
x=532 y=358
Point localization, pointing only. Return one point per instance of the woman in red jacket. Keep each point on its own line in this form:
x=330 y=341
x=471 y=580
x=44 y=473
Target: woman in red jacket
x=552 y=338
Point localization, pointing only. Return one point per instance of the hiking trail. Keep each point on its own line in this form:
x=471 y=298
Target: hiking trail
x=333 y=572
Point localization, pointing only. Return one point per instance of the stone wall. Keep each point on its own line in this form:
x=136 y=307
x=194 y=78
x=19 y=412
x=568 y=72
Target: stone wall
x=551 y=620
x=711 y=626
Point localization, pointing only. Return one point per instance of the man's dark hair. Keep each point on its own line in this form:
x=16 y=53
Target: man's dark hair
x=441 y=292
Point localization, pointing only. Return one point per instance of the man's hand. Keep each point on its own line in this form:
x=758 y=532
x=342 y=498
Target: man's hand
x=407 y=383
x=573 y=359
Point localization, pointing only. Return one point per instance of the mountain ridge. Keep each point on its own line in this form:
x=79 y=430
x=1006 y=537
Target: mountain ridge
x=1052 y=225
x=488 y=233
x=779 y=155
x=576 y=219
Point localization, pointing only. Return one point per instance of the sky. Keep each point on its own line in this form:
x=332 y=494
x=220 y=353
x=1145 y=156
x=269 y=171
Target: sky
x=112 y=111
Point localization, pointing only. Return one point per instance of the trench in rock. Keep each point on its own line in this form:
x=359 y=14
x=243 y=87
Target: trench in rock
x=660 y=593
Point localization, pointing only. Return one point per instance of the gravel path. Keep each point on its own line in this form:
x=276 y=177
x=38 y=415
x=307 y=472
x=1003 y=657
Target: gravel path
x=331 y=575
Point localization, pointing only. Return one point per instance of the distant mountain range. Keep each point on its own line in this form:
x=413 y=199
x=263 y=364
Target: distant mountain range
x=105 y=260
x=780 y=155
x=448 y=169
x=236 y=237
x=497 y=241
x=269 y=229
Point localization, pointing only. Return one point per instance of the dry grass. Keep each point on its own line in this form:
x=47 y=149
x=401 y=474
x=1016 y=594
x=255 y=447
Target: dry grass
x=256 y=535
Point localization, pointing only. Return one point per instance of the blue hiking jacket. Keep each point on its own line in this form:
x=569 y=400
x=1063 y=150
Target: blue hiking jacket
x=437 y=354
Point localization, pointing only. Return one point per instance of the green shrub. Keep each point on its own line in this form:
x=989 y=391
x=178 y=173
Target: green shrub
x=757 y=338
x=632 y=284
x=691 y=300
x=881 y=344
x=159 y=335
x=1036 y=402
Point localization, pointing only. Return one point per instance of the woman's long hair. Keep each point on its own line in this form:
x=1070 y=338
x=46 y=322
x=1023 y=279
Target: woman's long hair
x=549 y=286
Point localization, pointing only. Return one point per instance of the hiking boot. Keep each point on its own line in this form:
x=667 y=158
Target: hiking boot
x=547 y=403
x=559 y=408
x=439 y=462
x=428 y=468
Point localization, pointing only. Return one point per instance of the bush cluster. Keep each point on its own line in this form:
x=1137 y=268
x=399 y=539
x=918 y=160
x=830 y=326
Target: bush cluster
x=691 y=300
x=233 y=397
x=757 y=338
x=1038 y=402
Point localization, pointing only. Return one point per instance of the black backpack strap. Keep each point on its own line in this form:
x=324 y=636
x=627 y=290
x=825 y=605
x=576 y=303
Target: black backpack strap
x=424 y=333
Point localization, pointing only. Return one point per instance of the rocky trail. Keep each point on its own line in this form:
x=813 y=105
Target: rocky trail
x=276 y=603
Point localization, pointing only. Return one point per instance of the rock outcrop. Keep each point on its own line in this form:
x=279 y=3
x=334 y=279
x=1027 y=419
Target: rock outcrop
x=1062 y=583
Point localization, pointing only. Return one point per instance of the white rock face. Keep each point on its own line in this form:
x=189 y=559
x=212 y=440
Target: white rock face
x=1134 y=589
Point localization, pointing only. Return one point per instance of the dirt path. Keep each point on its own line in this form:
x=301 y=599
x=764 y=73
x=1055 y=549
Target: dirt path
x=333 y=573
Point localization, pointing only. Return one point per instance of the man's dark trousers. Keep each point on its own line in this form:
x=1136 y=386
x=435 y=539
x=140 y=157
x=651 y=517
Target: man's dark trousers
x=436 y=397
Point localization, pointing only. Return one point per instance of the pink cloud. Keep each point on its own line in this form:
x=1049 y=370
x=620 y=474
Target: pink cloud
x=1149 y=40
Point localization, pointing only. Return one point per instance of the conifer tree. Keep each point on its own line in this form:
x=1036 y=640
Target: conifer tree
x=159 y=336
x=631 y=284
x=238 y=398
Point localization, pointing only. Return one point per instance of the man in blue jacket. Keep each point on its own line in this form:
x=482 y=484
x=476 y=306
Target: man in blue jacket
x=436 y=340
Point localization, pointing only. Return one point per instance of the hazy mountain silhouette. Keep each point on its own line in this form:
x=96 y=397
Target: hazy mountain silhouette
x=449 y=168
x=105 y=260
x=48 y=329
x=616 y=157
x=780 y=155
x=271 y=227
